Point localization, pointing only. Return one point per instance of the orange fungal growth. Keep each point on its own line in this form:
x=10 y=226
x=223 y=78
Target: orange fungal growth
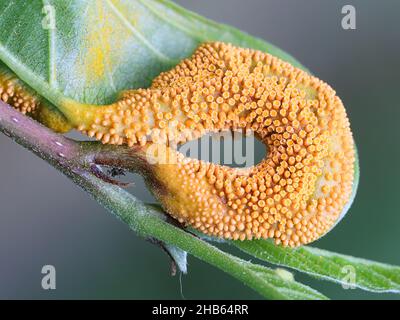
x=294 y=196
x=13 y=93
x=18 y=95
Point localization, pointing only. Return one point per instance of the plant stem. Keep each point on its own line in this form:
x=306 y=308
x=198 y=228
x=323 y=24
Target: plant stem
x=55 y=149
x=76 y=159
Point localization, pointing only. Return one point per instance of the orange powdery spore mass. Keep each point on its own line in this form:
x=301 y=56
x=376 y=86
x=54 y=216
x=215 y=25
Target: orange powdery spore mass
x=295 y=195
x=17 y=94
x=13 y=93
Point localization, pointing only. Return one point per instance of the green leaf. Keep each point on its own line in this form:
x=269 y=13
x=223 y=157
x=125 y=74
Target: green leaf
x=322 y=264
x=99 y=48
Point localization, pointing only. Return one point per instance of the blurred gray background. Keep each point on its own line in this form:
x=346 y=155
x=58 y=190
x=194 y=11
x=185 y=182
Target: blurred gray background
x=46 y=219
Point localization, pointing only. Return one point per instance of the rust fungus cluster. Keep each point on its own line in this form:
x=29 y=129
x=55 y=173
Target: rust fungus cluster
x=294 y=196
x=15 y=94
